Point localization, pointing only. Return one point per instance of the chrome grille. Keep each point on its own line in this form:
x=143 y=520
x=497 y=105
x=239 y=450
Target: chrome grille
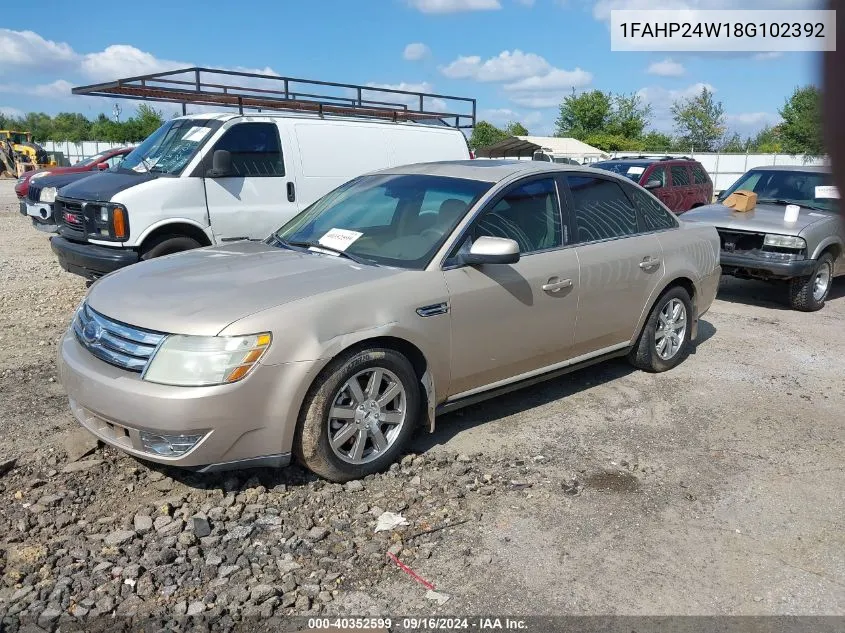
x=116 y=343
x=33 y=193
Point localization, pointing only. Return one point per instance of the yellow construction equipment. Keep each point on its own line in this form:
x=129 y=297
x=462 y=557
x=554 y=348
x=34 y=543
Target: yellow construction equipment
x=18 y=154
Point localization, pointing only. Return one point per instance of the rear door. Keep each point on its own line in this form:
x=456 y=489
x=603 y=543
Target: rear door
x=665 y=193
x=702 y=185
x=261 y=194
x=620 y=262
x=684 y=190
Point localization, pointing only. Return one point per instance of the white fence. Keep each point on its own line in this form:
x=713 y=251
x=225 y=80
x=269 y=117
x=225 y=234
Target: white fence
x=725 y=169
x=67 y=153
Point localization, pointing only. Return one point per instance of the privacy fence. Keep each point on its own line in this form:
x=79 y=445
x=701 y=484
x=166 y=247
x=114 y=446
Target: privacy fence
x=67 y=153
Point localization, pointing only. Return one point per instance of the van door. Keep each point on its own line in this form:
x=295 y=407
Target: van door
x=259 y=194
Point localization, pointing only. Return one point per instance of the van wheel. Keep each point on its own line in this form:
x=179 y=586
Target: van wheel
x=665 y=339
x=359 y=415
x=167 y=245
x=808 y=294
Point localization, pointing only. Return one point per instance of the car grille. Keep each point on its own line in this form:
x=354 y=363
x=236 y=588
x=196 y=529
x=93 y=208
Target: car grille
x=740 y=241
x=33 y=193
x=116 y=343
x=72 y=214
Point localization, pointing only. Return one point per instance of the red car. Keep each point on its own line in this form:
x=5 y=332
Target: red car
x=103 y=160
x=679 y=183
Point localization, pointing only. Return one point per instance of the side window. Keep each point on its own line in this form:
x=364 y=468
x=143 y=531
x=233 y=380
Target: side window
x=658 y=173
x=255 y=149
x=699 y=176
x=528 y=214
x=600 y=209
x=680 y=176
x=655 y=216
x=115 y=160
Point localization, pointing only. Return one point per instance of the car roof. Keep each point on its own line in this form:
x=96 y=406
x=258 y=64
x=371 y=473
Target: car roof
x=489 y=170
x=649 y=159
x=818 y=169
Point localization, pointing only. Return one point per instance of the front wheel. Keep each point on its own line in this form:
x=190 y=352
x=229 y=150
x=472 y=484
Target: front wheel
x=167 y=245
x=665 y=339
x=359 y=415
x=808 y=294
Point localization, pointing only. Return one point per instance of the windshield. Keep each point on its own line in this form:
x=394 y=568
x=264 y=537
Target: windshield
x=92 y=160
x=629 y=169
x=391 y=220
x=806 y=188
x=170 y=147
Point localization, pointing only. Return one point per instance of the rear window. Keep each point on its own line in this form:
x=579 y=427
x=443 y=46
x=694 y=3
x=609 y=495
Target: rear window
x=628 y=168
x=680 y=176
x=699 y=176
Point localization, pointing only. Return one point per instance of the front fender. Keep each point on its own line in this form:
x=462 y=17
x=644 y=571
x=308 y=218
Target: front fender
x=161 y=223
x=824 y=244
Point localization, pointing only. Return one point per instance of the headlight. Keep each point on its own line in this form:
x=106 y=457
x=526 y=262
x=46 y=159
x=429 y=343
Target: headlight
x=785 y=241
x=48 y=194
x=194 y=361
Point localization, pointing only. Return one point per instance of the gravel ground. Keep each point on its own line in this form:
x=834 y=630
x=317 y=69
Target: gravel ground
x=715 y=488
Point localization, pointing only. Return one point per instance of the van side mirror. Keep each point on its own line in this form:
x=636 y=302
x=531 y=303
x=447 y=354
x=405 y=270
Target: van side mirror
x=492 y=250
x=654 y=183
x=221 y=164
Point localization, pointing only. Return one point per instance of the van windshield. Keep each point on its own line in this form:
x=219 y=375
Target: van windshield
x=392 y=220
x=170 y=147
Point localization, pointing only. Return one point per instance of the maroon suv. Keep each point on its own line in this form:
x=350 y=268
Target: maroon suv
x=679 y=183
x=103 y=160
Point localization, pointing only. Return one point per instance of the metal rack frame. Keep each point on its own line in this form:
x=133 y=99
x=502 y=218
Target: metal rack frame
x=205 y=86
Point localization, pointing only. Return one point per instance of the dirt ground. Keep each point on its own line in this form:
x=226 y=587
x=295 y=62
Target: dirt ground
x=715 y=488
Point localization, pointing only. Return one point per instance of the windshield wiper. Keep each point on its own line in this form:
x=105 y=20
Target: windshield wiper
x=317 y=245
x=800 y=204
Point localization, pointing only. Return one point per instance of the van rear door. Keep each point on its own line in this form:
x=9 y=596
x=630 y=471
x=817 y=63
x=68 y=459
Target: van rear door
x=259 y=194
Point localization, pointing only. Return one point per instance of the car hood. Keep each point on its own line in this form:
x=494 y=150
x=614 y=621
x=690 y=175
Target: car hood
x=202 y=291
x=102 y=185
x=764 y=218
x=60 y=179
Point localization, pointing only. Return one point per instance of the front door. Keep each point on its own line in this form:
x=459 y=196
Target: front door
x=512 y=319
x=261 y=195
x=620 y=263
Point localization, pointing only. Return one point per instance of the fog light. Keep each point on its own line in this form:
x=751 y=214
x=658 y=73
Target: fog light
x=168 y=445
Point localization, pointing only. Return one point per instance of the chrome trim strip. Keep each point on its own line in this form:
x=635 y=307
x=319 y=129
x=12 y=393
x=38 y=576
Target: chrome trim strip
x=537 y=372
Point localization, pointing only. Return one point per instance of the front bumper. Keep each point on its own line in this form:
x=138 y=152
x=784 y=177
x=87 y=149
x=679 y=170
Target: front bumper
x=22 y=206
x=245 y=424
x=746 y=266
x=90 y=260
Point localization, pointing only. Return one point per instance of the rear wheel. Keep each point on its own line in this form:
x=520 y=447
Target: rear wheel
x=808 y=294
x=665 y=339
x=359 y=415
x=167 y=245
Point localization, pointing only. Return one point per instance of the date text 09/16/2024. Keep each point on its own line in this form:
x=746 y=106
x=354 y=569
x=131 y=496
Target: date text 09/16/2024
x=418 y=624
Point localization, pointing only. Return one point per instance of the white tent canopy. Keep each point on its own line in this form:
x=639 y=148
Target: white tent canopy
x=553 y=146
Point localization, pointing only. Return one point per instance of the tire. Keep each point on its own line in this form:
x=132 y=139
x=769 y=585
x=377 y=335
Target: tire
x=804 y=293
x=645 y=354
x=167 y=245
x=330 y=393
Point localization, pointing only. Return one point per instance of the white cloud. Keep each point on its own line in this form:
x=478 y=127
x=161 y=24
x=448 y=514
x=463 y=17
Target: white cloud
x=762 y=57
x=753 y=119
x=430 y=103
x=454 y=6
x=661 y=100
x=602 y=8
x=8 y=111
x=122 y=60
x=526 y=3
x=666 y=68
x=416 y=51
x=557 y=79
x=57 y=89
x=28 y=50
x=503 y=116
x=506 y=66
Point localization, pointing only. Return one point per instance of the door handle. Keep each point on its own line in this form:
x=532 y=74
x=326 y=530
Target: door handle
x=291 y=192
x=554 y=286
x=649 y=262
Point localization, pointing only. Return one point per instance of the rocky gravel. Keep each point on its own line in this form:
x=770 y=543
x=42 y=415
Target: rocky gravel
x=711 y=489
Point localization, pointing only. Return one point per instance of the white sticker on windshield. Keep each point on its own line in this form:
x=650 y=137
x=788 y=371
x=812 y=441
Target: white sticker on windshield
x=196 y=134
x=827 y=192
x=635 y=170
x=339 y=239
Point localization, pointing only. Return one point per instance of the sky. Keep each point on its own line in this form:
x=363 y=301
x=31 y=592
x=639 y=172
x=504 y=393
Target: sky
x=518 y=58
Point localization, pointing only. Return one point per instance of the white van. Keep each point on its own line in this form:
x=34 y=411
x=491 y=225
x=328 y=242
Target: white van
x=205 y=179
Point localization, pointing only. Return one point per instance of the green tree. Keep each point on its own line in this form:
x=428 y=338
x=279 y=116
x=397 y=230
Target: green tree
x=73 y=127
x=485 y=134
x=629 y=117
x=734 y=144
x=699 y=121
x=767 y=141
x=613 y=142
x=657 y=142
x=801 y=130
x=514 y=128
x=147 y=120
x=584 y=114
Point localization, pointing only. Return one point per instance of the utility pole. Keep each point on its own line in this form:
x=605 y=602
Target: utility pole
x=116 y=112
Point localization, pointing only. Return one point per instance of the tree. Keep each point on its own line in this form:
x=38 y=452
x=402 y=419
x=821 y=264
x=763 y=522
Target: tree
x=801 y=130
x=734 y=144
x=73 y=127
x=699 y=121
x=630 y=116
x=657 y=142
x=147 y=120
x=485 y=134
x=516 y=129
x=767 y=141
x=584 y=114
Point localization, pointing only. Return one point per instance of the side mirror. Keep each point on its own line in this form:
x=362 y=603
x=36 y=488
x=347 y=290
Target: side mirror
x=102 y=166
x=221 y=164
x=653 y=184
x=492 y=250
